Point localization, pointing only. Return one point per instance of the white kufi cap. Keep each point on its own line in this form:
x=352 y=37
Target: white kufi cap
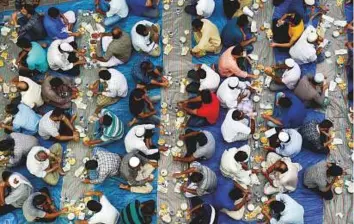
x=134 y=162
x=283 y=136
x=289 y=62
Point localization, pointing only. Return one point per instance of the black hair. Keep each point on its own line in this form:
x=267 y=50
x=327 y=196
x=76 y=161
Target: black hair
x=138 y=93
x=297 y=19
x=350 y=95
x=23 y=43
x=206 y=96
x=29 y=8
x=56 y=82
x=197 y=24
x=6 y=175
x=277 y=206
x=148 y=208
x=236 y=115
x=237 y=50
x=201 y=139
x=91 y=164
x=57 y=112
x=107 y=120
x=235 y=194
x=242 y=20
x=94 y=206
x=326 y=124
x=11 y=109
x=39 y=199
x=196 y=177
x=277 y=2
x=7 y=144
x=141 y=29
x=201 y=73
x=334 y=170
x=105 y=74
x=53 y=12
x=240 y=156
x=285 y=102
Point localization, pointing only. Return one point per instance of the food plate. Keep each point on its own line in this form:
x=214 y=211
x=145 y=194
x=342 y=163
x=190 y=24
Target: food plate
x=256 y=99
x=184 y=206
x=338 y=190
x=163 y=172
x=163 y=105
x=336 y=33
x=183 y=40
x=256 y=136
x=78 y=81
x=264 y=199
x=166 y=7
x=328 y=54
x=180 y=143
x=71 y=216
x=84 y=160
x=161 y=142
x=250 y=207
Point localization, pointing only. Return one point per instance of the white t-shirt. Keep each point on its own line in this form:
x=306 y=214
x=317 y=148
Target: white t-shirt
x=118 y=7
x=211 y=81
x=228 y=97
x=293 y=212
x=132 y=142
x=47 y=127
x=34 y=166
x=291 y=76
x=32 y=97
x=107 y=215
x=304 y=52
x=58 y=60
x=141 y=43
x=117 y=85
x=205 y=8
x=287 y=181
x=232 y=130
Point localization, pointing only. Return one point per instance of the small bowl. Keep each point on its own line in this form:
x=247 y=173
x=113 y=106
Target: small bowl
x=338 y=190
x=78 y=81
x=89 y=93
x=328 y=54
x=180 y=143
x=180 y=2
x=264 y=199
x=161 y=142
x=250 y=207
x=81 y=206
x=336 y=33
x=183 y=40
x=263 y=164
x=13 y=89
x=338 y=80
x=255 y=6
x=166 y=218
x=71 y=216
x=256 y=72
x=164 y=105
x=186 y=32
x=165 y=40
x=256 y=98
x=163 y=172
x=184 y=206
x=256 y=136
x=166 y=7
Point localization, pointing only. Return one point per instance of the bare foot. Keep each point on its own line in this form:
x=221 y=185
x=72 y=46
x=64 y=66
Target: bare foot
x=124 y=187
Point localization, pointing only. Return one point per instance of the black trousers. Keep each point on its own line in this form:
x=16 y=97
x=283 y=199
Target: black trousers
x=191 y=9
x=191 y=143
x=46 y=191
x=6 y=209
x=280 y=34
x=75 y=71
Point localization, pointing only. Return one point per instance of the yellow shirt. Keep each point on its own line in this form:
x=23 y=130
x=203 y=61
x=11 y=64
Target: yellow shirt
x=208 y=38
x=296 y=31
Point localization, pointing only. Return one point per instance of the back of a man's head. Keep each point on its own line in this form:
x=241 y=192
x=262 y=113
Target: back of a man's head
x=277 y=206
x=104 y=74
x=197 y=24
x=39 y=200
x=148 y=208
x=326 y=124
x=141 y=30
x=6 y=175
x=237 y=50
x=236 y=115
x=116 y=33
x=91 y=164
x=202 y=139
x=285 y=102
x=23 y=43
x=57 y=112
x=334 y=170
x=242 y=21
x=94 y=206
x=196 y=177
x=29 y=8
x=107 y=120
x=56 y=82
x=241 y=156
x=53 y=12
x=206 y=96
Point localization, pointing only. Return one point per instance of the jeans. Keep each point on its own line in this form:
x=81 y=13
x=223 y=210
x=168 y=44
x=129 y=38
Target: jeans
x=6 y=209
x=103 y=5
x=154 y=119
x=195 y=121
x=109 y=21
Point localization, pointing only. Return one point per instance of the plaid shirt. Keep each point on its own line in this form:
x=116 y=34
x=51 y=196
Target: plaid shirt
x=108 y=164
x=311 y=137
x=31 y=23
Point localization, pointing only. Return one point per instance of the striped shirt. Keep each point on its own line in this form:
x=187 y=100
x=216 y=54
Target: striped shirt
x=108 y=164
x=132 y=214
x=115 y=131
x=209 y=182
x=23 y=144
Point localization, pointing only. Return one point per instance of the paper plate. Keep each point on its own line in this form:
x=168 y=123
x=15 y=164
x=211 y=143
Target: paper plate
x=183 y=40
x=250 y=207
x=163 y=172
x=184 y=206
x=78 y=81
x=256 y=98
x=328 y=54
x=166 y=7
x=338 y=80
x=71 y=216
x=180 y=143
x=256 y=72
x=338 y=190
x=335 y=33
x=89 y=93
x=256 y=136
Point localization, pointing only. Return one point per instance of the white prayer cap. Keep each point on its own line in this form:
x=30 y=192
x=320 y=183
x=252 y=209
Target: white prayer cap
x=312 y=37
x=16 y=180
x=309 y=2
x=283 y=136
x=319 y=78
x=233 y=82
x=66 y=47
x=289 y=62
x=134 y=162
x=139 y=132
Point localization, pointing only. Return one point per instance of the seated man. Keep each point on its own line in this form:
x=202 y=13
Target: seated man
x=281 y=173
x=204 y=78
x=146 y=8
x=204 y=109
x=200 y=145
x=14 y=190
x=31 y=92
x=201 y=8
x=237 y=126
x=102 y=165
x=233 y=63
x=145 y=38
x=147 y=75
x=117 y=46
x=142 y=108
x=321 y=177
x=137 y=171
x=284 y=209
x=288 y=79
x=59 y=26
x=234 y=93
x=108 y=128
x=114 y=10
x=103 y=211
x=312 y=90
x=290 y=112
x=236 y=32
x=316 y=135
x=231 y=198
x=207 y=37
x=139 y=138
x=201 y=180
x=234 y=8
x=63 y=59
x=111 y=87
x=46 y=163
x=57 y=125
x=32 y=59
x=30 y=22
x=15 y=148
x=39 y=207
x=285 y=142
x=138 y=212
x=59 y=91
x=234 y=165
x=25 y=120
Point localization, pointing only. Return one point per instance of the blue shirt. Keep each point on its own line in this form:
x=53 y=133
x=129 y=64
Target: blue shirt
x=221 y=196
x=231 y=33
x=37 y=58
x=137 y=7
x=54 y=27
x=294 y=116
x=26 y=120
x=139 y=76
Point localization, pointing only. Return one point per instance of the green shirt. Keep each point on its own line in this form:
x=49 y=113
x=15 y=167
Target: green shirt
x=132 y=214
x=115 y=130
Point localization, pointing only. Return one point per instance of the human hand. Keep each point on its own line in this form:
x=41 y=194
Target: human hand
x=273 y=44
x=76 y=34
x=265 y=116
x=64 y=210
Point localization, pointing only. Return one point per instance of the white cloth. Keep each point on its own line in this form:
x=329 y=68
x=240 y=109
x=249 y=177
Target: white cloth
x=34 y=166
x=70 y=16
x=304 y=52
x=108 y=214
x=113 y=61
x=117 y=86
x=232 y=130
x=132 y=142
x=292 y=147
x=293 y=212
x=32 y=96
x=236 y=215
x=118 y=7
x=211 y=81
x=228 y=97
x=141 y=43
x=58 y=60
x=47 y=127
x=205 y=8
x=291 y=76
x=16 y=179
x=232 y=169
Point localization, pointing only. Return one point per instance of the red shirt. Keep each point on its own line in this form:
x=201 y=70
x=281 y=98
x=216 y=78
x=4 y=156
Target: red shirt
x=210 y=111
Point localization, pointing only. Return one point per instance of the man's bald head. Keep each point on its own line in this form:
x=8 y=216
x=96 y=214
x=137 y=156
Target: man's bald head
x=116 y=33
